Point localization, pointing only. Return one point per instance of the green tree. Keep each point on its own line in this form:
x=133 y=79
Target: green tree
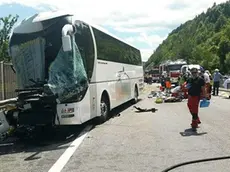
x=224 y=48
x=6 y=25
x=204 y=40
x=227 y=62
x=221 y=21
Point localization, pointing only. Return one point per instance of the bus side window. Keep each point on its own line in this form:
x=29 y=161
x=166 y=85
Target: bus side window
x=84 y=41
x=112 y=49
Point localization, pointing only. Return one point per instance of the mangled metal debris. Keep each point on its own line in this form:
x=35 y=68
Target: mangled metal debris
x=162 y=97
x=145 y=110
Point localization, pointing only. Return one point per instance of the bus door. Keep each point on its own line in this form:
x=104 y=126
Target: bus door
x=118 y=88
x=126 y=84
x=123 y=86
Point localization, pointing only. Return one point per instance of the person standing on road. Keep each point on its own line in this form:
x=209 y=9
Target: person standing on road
x=211 y=83
x=183 y=78
x=168 y=83
x=162 y=80
x=196 y=91
x=216 y=82
x=207 y=81
x=182 y=83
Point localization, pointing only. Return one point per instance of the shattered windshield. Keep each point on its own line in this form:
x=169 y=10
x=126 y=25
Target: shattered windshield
x=39 y=59
x=67 y=76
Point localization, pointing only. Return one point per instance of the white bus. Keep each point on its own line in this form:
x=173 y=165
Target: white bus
x=69 y=71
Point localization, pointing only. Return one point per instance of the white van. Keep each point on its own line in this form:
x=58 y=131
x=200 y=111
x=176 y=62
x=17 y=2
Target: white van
x=187 y=68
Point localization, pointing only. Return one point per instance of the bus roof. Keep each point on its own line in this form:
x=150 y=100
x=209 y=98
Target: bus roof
x=53 y=14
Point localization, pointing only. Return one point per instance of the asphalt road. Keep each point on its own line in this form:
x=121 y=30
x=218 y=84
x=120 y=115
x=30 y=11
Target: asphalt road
x=134 y=142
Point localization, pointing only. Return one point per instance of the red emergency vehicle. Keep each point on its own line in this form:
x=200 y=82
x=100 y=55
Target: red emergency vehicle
x=155 y=74
x=173 y=68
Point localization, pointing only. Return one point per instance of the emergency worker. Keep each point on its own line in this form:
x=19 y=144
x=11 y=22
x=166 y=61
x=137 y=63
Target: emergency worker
x=168 y=83
x=196 y=91
x=162 y=80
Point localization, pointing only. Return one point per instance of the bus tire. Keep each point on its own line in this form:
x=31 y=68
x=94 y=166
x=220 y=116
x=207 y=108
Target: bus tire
x=135 y=99
x=104 y=109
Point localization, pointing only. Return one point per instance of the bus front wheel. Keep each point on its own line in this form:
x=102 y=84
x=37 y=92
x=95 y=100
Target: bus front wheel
x=104 y=109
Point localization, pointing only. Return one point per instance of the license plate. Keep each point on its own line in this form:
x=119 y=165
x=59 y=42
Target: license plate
x=27 y=106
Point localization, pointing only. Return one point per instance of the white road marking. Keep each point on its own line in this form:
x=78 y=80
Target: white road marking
x=61 y=162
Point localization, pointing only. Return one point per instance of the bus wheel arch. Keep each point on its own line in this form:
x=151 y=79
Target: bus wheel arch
x=136 y=94
x=104 y=107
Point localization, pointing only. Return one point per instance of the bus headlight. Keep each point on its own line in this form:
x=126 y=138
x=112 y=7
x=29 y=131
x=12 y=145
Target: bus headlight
x=67 y=110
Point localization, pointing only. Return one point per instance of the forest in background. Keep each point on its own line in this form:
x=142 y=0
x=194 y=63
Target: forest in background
x=205 y=40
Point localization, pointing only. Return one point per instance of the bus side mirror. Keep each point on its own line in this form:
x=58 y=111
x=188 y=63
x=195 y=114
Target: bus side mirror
x=66 y=43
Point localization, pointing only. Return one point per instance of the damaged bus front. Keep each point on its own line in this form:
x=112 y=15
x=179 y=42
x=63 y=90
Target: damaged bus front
x=49 y=68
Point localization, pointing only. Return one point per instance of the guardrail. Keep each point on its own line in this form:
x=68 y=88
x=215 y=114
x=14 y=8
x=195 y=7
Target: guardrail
x=7 y=103
x=224 y=90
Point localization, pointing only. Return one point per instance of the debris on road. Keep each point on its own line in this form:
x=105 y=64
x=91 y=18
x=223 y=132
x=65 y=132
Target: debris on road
x=172 y=99
x=159 y=100
x=152 y=94
x=116 y=115
x=145 y=110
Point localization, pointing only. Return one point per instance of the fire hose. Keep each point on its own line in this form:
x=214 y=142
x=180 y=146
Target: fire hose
x=195 y=161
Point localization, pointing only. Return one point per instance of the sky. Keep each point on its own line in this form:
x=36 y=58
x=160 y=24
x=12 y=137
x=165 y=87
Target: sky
x=144 y=24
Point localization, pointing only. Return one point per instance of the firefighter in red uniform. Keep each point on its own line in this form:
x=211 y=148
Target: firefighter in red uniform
x=196 y=91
